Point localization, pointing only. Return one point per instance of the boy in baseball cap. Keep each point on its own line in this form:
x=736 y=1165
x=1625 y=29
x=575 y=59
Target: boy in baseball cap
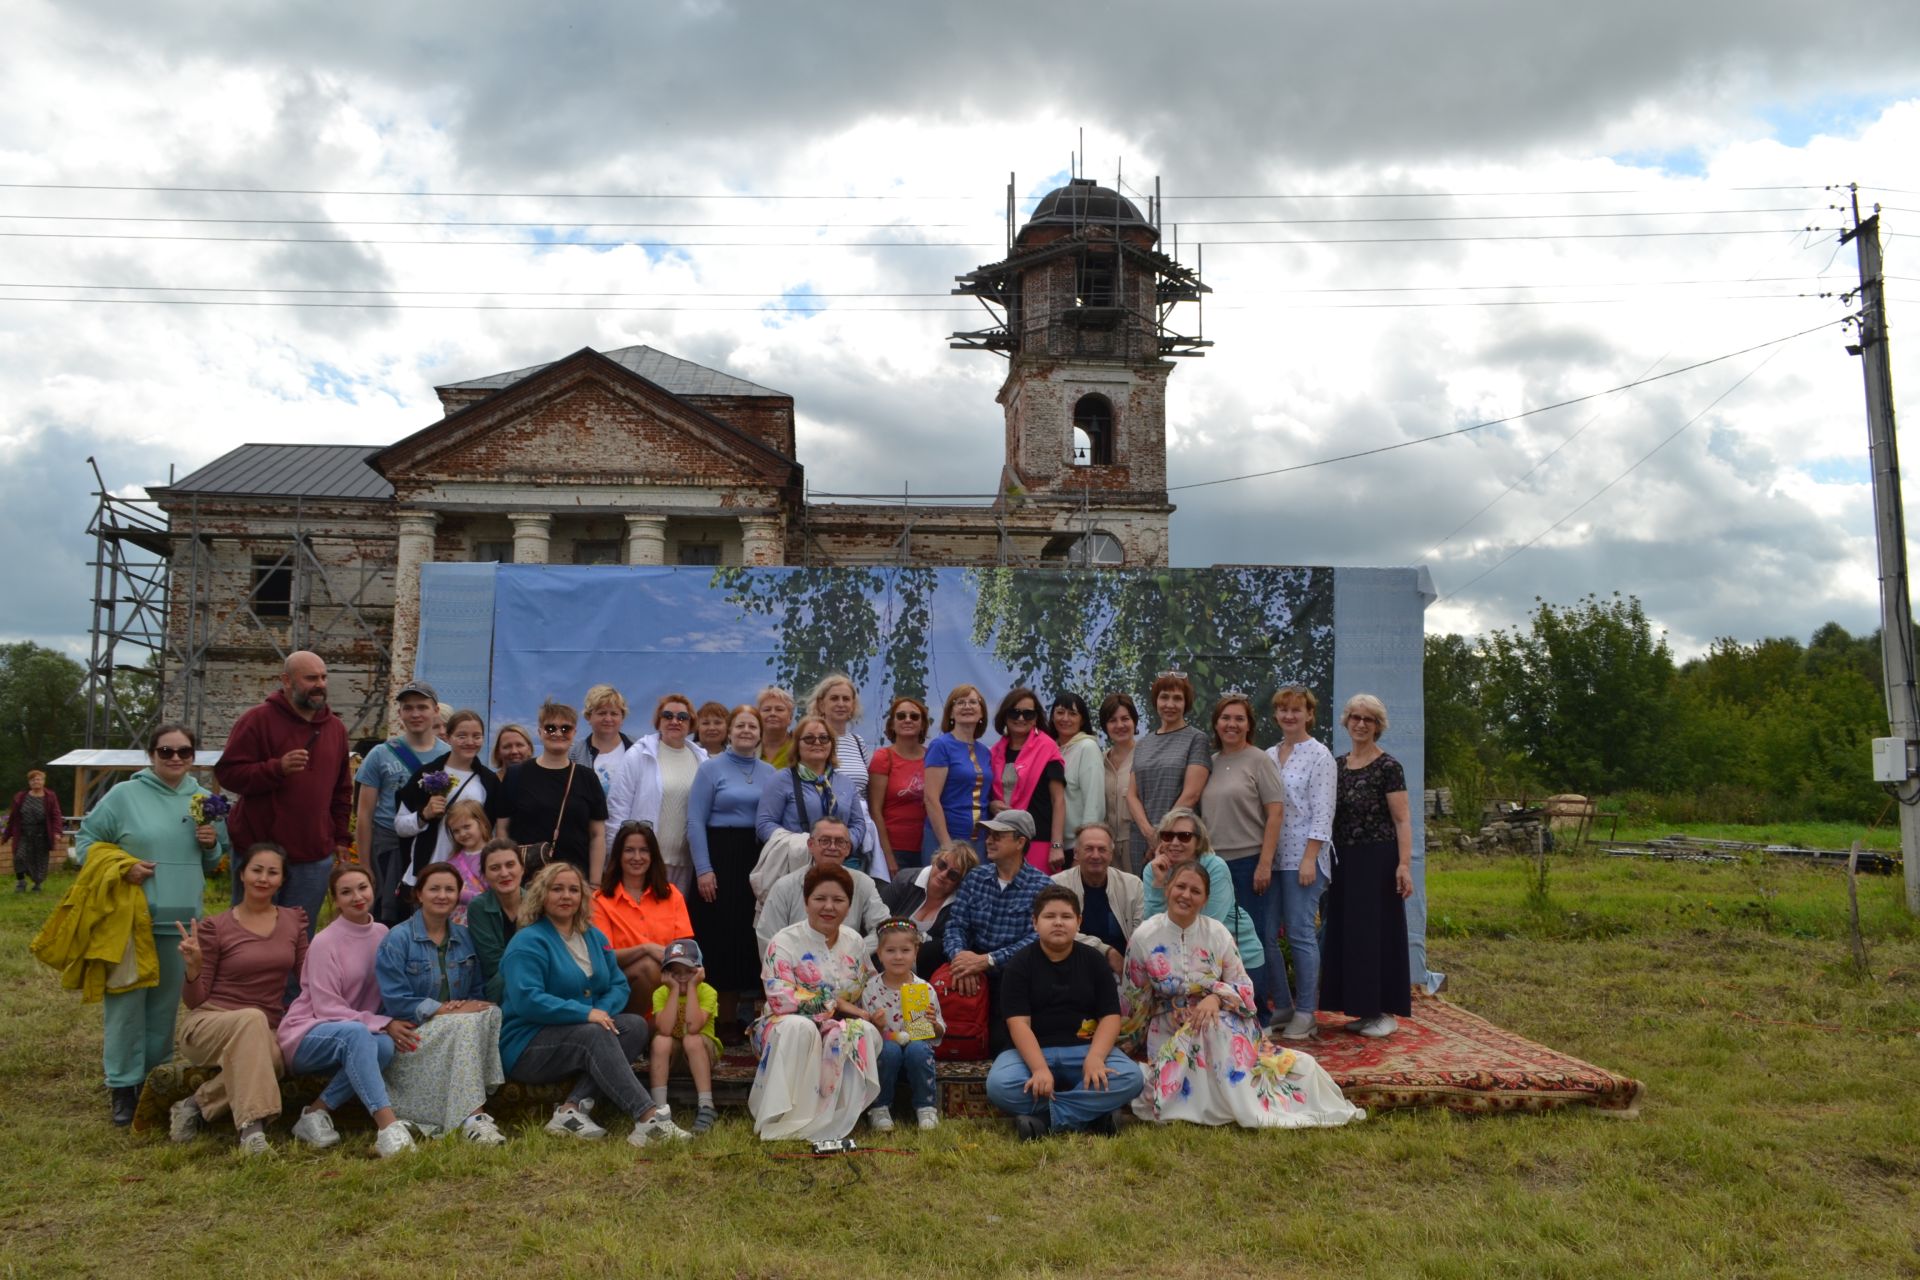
x=686 y=1013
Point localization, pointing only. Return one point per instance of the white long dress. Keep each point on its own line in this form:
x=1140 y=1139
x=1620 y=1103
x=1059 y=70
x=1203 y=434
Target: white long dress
x=1225 y=1074
x=818 y=1072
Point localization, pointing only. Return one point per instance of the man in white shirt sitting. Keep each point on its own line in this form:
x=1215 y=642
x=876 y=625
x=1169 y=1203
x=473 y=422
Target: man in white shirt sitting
x=828 y=845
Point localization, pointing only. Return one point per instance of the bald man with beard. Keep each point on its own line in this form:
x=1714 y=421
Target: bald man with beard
x=287 y=761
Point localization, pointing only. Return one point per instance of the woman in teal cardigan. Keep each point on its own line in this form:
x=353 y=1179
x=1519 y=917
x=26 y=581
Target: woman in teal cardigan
x=562 y=997
x=150 y=815
x=1182 y=837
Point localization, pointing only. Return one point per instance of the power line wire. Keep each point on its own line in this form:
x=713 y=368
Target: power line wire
x=1494 y=422
x=1596 y=496
x=739 y=195
x=870 y=244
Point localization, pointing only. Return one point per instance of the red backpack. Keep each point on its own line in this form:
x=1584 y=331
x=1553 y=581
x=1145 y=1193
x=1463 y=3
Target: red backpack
x=966 y=1019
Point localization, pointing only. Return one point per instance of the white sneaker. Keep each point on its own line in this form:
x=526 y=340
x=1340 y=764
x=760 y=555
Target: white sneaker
x=880 y=1120
x=256 y=1144
x=1377 y=1027
x=658 y=1125
x=572 y=1122
x=392 y=1140
x=315 y=1128
x=479 y=1127
x=929 y=1117
x=1299 y=1027
x=184 y=1120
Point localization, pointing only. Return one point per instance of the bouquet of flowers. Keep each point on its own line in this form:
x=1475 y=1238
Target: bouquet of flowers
x=436 y=783
x=207 y=807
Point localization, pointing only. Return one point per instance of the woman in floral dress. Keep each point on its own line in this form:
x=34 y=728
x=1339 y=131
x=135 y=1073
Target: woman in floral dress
x=1206 y=1062
x=819 y=1051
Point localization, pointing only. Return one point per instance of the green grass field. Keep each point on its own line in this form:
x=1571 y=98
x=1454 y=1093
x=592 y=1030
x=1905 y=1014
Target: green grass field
x=1780 y=1136
x=1810 y=835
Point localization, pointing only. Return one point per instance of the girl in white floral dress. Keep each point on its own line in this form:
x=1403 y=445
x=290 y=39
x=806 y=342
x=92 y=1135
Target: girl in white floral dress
x=1186 y=987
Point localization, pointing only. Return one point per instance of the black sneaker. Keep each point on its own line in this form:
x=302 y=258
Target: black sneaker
x=1031 y=1128
x=126 y=1100
x=1107 y=1126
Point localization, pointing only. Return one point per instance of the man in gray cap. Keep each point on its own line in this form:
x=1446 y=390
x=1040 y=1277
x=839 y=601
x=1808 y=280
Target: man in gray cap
x=385 y=770
x=992 y=915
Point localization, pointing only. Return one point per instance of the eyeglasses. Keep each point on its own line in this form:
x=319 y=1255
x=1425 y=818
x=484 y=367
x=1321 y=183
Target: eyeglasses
x=1024 y=713
x=815 y=739
x=557 y=730
x=1363 y=718
x=173 y=753
x=678 y=717
x=1180 y=837
x=908 y=715
x=833 y=842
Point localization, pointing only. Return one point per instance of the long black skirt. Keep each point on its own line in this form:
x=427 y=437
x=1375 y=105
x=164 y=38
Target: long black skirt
x=724 y=927
x=1364 y=968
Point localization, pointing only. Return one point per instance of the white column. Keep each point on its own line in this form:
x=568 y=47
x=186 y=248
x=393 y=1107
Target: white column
x=531 y=532
x=646 y=539
x=415 y=549
x=760 y=541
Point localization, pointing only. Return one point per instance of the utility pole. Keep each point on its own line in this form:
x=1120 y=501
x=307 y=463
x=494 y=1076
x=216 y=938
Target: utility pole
x=1890 y=531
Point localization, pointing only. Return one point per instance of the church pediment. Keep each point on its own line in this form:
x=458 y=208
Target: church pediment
x=585 y=419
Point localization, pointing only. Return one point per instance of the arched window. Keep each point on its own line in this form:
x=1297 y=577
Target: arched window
x=1098 y=550
x=1092 y=431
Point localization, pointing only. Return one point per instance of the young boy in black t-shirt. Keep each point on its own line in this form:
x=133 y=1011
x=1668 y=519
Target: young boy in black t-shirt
x=1063 y=1015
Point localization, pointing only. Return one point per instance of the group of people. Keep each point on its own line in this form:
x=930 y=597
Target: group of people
x=771 y=879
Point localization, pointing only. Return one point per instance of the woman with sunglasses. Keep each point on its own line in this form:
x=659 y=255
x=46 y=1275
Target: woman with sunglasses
x=653 y=783
x=811 y=788
x=1029 y=774
x=150 y=818
x=1180 y=838
x=926 y=898
x=1364 y=966
x=896 y=785
x=552 y=799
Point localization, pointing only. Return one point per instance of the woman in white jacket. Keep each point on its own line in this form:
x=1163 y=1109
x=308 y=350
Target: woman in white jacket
x=653 y=782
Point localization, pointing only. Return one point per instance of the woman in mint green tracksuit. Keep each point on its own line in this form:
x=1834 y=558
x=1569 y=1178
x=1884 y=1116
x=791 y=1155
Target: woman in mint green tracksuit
x=150 y=815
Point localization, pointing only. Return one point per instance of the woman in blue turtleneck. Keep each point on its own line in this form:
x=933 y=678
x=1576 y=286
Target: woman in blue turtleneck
x=720 y=834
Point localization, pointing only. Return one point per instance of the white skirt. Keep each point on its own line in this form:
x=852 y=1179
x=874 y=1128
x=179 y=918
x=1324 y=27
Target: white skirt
x=814 y=1082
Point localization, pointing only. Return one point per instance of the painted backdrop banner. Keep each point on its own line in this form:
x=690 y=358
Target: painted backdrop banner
x=723 y=634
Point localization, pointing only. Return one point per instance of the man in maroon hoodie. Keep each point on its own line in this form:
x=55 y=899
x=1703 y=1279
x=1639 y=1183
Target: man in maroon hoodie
x=287 y=761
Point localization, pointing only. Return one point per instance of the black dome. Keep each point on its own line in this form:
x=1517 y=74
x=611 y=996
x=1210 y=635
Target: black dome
x=1084 y=200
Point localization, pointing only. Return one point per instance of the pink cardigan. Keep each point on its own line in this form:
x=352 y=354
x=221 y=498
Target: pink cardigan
x=338 y=983
x=1036 y=754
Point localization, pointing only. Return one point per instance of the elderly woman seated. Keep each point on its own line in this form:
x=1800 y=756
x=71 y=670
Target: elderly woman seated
x=1186 y=987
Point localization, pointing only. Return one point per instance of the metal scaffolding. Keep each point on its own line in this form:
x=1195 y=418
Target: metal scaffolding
x=126 y=672
x=157 y=632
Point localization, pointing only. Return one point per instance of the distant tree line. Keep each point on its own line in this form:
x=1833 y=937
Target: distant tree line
x=1587 y=698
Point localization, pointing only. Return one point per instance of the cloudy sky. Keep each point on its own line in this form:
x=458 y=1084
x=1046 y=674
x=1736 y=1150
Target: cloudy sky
x=1414 y=217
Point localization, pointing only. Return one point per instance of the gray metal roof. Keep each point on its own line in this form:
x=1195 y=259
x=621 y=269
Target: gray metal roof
x=291 y=470
x=681 y=377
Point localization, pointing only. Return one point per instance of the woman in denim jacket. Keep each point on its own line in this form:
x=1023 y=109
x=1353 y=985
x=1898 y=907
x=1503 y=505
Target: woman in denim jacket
x=429 y=975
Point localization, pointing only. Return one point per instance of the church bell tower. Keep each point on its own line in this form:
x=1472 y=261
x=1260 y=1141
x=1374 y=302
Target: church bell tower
x=1085 y=297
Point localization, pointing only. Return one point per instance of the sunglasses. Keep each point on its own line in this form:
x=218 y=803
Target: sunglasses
x=678 y=717
x=1180 y=837
x=1363 y=719
x=1024 y=713
x=908 y=715
x=173 y=753
x=556 y=730
x=944 y=869
x=816 y=739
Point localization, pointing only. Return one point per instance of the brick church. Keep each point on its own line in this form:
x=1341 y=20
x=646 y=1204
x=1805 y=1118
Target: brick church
x=634 y=456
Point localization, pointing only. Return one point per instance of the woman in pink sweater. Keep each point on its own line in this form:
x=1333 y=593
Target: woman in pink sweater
x=336 y=1024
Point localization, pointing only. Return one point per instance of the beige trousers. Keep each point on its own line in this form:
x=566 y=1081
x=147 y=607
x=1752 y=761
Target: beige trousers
x=242 y=1045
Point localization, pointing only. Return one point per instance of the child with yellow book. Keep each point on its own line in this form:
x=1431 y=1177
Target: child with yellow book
x=907 y=1013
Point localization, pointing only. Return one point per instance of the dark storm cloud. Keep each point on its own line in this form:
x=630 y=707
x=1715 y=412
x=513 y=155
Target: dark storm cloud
x=539 y=90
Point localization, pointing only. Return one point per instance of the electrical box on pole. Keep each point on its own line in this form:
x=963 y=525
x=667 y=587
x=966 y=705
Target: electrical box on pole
x=1890 y=532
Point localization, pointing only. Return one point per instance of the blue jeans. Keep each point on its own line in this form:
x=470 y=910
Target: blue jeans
x=1074 y=1105
x=1264 y=909
x=917 y=1057
x=1300 y=908
x=360 y=1056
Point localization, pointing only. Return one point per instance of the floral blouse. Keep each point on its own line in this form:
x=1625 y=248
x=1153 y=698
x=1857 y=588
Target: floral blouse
x=1360 y=812
x=803 y=974
x=1169 y=970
